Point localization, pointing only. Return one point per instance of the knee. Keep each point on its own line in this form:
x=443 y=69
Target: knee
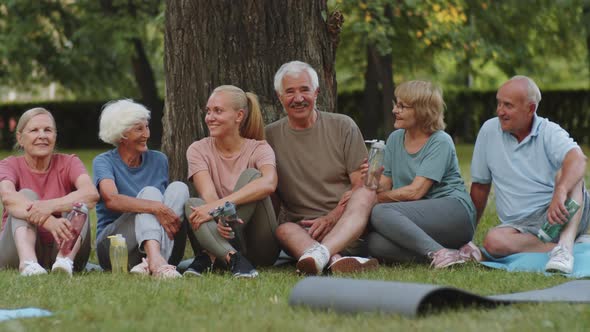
x=284 y=230
x=495 y=242
x=190 y=203
x=249 y=174
x=29 y=194
x=179 y=187
x=151 y=193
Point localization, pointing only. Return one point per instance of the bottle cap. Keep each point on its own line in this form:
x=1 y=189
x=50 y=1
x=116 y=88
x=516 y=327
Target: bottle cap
x=378 y=145
x=117 y=240
x=81 y=207
x=229 y=209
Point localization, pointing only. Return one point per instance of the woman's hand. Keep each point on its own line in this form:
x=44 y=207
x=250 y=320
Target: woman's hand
x=60 y=229
x=227 y=231
x=200 y=215
x=39 y=211
x=168 y=219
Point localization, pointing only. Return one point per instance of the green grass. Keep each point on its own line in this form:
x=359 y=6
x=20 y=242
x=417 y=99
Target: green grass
x=103 y=302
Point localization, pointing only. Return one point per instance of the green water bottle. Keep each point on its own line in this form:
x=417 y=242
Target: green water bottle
x=550 y=232
x=118 y=254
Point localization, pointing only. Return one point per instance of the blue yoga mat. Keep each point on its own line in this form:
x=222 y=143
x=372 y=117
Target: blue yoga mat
x=535 y=262
x=6 y=314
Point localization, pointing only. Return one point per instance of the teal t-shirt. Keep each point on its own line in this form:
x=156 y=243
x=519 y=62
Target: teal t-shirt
x=437 y=160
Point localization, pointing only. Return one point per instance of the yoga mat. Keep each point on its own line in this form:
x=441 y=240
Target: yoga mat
x=6 y=314
x=535 y=262
x=412 y=299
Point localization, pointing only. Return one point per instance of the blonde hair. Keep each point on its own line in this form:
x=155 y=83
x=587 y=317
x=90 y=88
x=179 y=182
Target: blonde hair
x=253 y=124
x=26 y=117
x=427 y=100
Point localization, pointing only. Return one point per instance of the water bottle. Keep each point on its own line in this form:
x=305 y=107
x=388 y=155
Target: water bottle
x=376 y=154
x=230 y=216
x=550 y=232
x=77 y=218
x=118 y=254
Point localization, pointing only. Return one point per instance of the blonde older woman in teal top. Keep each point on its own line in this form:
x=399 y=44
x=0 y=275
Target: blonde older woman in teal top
x=424 y=211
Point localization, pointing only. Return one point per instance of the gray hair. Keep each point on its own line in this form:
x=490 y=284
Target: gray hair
x=533 y=92
x=295 y=67
x=26 y=117
x=118 y=116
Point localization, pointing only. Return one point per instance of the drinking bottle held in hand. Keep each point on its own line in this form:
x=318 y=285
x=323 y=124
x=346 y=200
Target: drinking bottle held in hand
x=376 y=154
x=77 y=218
x=550 y=232
x=118 y=254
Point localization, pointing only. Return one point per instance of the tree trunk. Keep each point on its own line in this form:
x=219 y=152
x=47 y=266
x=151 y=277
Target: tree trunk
x=243 y=43
x=586 y=22
x=146 y=82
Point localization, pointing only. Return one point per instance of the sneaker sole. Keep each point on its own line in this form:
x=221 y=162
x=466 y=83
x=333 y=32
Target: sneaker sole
x=246 y=275
x=307 y=266
x=61 y=270
x=555 y=269
x=192 y=274
x=353 y=266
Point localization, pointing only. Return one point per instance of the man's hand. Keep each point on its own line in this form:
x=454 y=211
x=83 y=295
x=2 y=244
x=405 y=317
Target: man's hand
x=319 y=227
x=168 y=219
x=60 y=229
x=557 y=212
x=200 y=215
x=38 y=212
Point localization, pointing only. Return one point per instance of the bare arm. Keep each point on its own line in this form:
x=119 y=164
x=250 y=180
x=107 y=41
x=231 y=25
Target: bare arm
x=479 y=195
x=412 y=192
x=14 y=202
x=571 y=173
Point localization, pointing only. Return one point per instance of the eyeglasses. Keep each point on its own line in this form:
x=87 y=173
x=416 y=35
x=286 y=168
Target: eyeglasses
x=400 y=107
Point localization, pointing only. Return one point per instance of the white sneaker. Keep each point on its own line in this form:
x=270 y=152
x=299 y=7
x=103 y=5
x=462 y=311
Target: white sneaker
x=313 y=260
x=141 y=268
x=560 y=260
x=32 y=268
x=63 y=265
x=352 y=264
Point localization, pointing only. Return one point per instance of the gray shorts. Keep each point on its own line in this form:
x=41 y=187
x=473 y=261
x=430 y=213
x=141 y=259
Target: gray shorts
x=533 y=222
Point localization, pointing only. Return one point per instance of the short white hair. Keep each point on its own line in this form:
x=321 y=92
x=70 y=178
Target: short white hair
x=532 y=90
x=295 y=67
x=118 y=116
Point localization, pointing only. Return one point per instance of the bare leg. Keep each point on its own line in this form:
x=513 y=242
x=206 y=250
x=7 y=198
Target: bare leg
x=154 y=257
x=353 y=221
x=568 y=234
x=24 y=239
x=506 y=241
x=294 y=239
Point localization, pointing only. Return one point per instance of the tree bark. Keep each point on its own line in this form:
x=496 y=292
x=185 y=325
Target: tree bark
x=243 y=43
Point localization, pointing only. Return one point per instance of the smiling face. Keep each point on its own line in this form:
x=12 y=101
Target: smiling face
x=514 y=110
x=38 y=136
x=135 y=138
x=222 y=119
x=404 y=115
x=298 y=97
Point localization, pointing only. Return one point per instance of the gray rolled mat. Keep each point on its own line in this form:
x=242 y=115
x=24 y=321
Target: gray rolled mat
x=411 y=299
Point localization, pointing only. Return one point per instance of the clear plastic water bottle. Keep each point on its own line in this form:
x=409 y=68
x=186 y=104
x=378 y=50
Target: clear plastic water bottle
x=550 y=232
x=77 y=218
x=230 y=216
x=118 y=254
x=376 y=154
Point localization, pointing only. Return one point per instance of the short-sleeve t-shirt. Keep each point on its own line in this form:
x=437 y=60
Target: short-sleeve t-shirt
x=153 y=171
x=313 y=164
x=58 y=181
x=203 y=156
x=436 y=160
x=523 y=173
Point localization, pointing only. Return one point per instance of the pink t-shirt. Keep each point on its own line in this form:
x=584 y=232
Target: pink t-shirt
x=58 y=181
x=203 y=156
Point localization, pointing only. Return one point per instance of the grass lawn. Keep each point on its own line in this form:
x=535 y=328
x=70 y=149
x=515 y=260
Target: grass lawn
x=98 y=301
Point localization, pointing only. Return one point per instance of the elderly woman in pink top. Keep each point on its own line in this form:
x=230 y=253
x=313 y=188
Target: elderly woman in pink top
x=37 y=189
x=234 y=164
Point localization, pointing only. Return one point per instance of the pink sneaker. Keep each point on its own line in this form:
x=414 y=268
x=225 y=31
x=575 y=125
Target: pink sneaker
x=470 y=252
x=445 y=258
x=352 y=264
x=141 y=268
x=167 y=271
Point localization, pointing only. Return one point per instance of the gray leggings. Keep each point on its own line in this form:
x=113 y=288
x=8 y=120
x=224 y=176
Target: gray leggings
x=408 y=231
x=137 y=228
x=46 y=253
x=257 y=232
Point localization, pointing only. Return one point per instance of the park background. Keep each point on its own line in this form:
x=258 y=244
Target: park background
x=73 y=56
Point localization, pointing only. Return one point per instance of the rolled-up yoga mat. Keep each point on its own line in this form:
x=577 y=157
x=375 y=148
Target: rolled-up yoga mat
x=411 y=299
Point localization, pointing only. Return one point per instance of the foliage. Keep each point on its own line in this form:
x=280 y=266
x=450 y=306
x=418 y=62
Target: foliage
x=84 y=45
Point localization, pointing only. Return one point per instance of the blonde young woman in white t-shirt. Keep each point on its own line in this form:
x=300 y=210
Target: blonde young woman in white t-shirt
x=234 y=164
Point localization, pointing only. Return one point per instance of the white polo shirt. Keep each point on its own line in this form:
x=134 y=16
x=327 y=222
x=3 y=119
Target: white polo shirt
x=523 y=174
